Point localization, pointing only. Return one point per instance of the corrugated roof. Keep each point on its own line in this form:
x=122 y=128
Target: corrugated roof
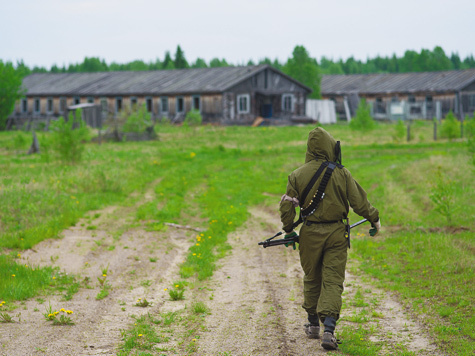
x=397 y=83
x=179 y=81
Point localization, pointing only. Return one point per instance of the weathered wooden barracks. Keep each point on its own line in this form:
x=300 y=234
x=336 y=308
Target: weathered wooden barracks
x=228 y=95
x=403 y=95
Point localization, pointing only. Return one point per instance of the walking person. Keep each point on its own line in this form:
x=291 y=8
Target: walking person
x=324 y=238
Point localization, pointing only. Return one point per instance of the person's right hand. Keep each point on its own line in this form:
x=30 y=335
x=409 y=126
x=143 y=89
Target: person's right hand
x=291 y=235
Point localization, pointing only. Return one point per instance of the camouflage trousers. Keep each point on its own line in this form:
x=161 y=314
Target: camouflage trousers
x=323 y=254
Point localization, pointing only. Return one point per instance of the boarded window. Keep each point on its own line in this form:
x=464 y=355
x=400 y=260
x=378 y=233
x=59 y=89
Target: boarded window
x=411 y=99
x=37 y=106
x=164 y=102
x=118 y=104
x=49 y=105
x=148 y=103
x=196 y=102
x=62 y=104
x=180 y=104
x=133 y=102
x=90 y=100
x=243 y=103
x=77 y=100
x=104 y=105
x=287 y=102
x=24 y=105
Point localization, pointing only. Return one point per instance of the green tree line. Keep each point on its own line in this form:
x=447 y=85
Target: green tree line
x=412 y=61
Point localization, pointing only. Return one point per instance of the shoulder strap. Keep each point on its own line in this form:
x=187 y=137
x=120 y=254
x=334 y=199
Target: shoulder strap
x=312 y=182
x=307 y=190
x=310 y=209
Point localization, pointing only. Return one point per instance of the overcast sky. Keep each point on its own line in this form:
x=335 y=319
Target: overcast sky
x=61 y=32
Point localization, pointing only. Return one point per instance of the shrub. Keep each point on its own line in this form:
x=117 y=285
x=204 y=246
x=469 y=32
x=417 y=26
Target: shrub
x=363 y=119
x=193 y=118
x=469 y=127
x=443 y=196
x=399 y=131
x=137 y=120
x=68 y=136
x=450 y=127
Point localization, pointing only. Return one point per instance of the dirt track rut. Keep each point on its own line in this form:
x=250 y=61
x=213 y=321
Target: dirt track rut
x=255 y=295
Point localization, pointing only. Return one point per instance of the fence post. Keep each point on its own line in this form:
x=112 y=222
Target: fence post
x=408 y=131
x=435 y=130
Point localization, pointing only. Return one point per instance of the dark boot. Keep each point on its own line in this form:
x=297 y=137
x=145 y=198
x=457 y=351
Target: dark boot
x=313 y=329
x=329 y=341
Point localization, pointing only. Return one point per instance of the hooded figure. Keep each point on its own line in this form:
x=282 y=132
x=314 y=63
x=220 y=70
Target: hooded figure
x=322 y=241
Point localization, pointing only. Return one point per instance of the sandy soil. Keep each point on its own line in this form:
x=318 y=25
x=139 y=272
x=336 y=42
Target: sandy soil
x=256 y=294
x=256 y=306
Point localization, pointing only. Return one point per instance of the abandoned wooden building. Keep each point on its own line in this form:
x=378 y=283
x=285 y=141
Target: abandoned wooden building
x=403 y=95
x=227 y=95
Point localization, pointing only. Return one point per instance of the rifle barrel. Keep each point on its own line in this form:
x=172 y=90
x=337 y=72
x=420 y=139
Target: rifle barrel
x=358 y=223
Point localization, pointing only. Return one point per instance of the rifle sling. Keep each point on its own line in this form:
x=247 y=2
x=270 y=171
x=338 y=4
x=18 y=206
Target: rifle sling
x=310 y=209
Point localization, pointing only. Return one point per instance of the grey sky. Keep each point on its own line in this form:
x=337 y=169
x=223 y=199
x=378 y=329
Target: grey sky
x=61 y=32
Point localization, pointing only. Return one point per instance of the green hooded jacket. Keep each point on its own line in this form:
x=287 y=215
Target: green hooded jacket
x=342 y=190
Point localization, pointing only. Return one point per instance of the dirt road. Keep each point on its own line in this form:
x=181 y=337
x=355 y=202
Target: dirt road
x=254 y=297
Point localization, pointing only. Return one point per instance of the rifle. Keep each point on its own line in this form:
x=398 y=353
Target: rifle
x=271 y=242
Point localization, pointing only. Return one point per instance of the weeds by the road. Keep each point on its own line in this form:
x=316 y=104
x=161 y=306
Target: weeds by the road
x=21 y=281
x=433 y=274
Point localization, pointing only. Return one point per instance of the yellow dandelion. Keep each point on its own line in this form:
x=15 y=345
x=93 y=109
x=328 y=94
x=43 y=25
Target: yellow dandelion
x=54 y=277
x=194 y=340
x=385 y=266
x=56 y=313
x=194 y=254
x=69 y=311
x=140 y=335
x=104 y=275
x=202 y=235
x=26 y=266
x=229 y=223
x=192 y=154
x=209 y=237
x=177 y=285
x=19 y=255
x=63 y=310
x=13 y=275
x=197 y=244
x=165 y=289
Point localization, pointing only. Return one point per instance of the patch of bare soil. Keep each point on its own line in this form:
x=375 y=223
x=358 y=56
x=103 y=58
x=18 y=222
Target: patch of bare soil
x=140 y=264
x=258 y=292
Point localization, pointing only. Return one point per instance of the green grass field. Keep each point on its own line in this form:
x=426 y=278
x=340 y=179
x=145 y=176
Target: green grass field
x=210 y=176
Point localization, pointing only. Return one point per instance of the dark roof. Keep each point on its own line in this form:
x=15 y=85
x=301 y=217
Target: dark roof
x=447 y=81
x=178 y=81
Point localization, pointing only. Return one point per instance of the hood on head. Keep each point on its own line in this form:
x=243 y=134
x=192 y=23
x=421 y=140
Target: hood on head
x=320 y=145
